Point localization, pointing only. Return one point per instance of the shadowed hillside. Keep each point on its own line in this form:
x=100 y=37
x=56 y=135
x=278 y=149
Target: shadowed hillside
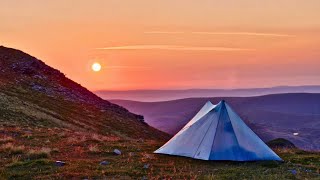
x=270 y=116
x=32 y=93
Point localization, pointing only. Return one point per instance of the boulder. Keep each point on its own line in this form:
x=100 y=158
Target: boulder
x=117 y=151
x=104 y=163
x=146 y=166
x=60 y=163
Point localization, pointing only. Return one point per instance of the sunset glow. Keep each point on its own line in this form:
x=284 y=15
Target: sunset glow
x=170 y=44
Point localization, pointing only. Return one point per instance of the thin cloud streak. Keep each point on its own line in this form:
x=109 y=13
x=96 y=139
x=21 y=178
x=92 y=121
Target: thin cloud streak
x=245 y=34
x=164 y=32
x=223 y=33
x=173 y=48
x=127 y=67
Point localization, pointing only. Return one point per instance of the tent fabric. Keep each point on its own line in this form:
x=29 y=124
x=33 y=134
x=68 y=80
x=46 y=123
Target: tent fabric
x=216 y=132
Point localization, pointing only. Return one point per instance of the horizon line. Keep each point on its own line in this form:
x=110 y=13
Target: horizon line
x=188 y=89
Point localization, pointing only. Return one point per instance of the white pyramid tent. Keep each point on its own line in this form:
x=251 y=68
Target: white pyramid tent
x=216 y=132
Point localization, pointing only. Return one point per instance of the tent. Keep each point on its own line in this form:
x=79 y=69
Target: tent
x=216 y=132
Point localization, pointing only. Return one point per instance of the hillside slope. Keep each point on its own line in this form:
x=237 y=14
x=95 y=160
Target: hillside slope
x=32 y=93
x=270 y=116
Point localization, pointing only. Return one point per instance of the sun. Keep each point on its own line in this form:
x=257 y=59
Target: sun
x=96 y=67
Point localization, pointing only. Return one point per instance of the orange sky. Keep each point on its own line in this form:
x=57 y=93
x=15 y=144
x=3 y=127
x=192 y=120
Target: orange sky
x=170 y=44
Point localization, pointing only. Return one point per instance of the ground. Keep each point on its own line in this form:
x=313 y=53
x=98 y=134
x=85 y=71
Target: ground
x=27 y=153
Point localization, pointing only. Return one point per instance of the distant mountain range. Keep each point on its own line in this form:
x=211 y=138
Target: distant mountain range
x=166 y=95
x=270 y=116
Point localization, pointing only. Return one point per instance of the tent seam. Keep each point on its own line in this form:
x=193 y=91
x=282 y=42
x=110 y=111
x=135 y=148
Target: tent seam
x=185 y=127
x=206 y=134
x=215 y=132
x=233 y=128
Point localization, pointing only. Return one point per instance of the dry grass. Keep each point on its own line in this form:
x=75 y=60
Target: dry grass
x=76 y=139
x=93 y=148
x=86 y=150
x=102 y=138
x=83 y=160
x=110 y=138
x=15 y=158
x=39 y=153
x=96 y=137
x=6 y=139
x=13 y=149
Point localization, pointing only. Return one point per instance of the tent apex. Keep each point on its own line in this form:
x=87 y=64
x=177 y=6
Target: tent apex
x=209 y=102
x=222 y=102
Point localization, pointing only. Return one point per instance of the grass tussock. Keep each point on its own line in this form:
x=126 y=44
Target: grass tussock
x=101 y=138
x=93 y=148
x=15 y=158
x=42 y=153
x=12 y=149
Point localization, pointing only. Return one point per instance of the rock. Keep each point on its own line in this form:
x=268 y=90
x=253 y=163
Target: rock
x=60 y=163
x=117 y=151
x=294 y=172
x=104 y=163
x=146 y=166
x=281 y=143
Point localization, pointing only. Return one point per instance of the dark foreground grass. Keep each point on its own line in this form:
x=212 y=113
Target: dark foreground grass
x=83 y=153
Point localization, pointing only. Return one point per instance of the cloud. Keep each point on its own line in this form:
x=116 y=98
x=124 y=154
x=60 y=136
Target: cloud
x=244 y=34
x=164 y=32
x=240 y=33
x=127 y=67
x=174 y=48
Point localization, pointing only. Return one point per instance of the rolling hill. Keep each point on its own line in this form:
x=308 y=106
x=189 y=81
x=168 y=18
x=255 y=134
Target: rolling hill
x=166 y=95
x=270 y=116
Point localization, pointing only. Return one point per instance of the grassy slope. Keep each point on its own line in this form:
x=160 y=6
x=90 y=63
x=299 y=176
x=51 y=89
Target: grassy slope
x=32 y=93
x=63 y=121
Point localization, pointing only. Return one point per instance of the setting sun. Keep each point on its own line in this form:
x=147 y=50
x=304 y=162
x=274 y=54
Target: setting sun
x=96 y=67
